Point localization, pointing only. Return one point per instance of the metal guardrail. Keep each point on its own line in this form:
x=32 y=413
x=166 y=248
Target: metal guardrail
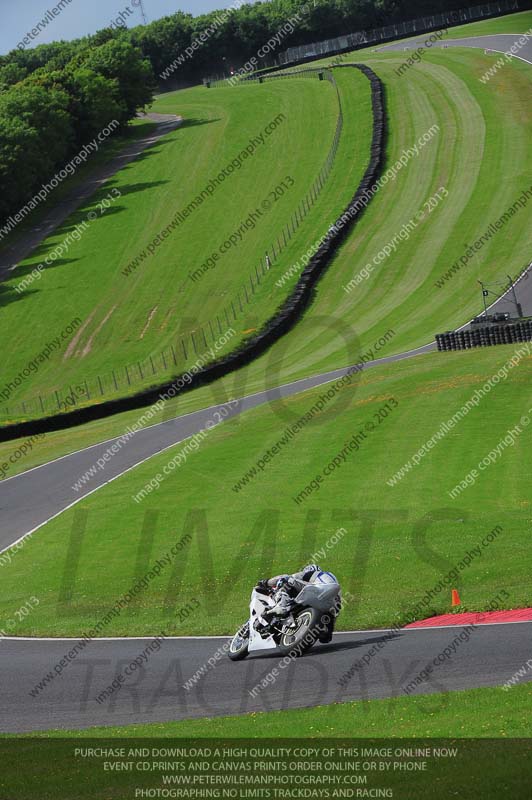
x=378 y=35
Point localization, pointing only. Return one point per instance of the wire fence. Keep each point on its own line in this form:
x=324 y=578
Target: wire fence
x=253 y=77
x=376 y=35
x=192 y=347
x=184 y=353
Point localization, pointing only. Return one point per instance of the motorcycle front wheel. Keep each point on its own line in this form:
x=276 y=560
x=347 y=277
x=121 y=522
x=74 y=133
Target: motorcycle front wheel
x=301 y=636
x=238 y=648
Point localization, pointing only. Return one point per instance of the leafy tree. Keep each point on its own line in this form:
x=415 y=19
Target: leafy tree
x=94 y=101
x=10 y=74
x=46 y=112
x=20 y=161
x=119 y=60
x=163 y=40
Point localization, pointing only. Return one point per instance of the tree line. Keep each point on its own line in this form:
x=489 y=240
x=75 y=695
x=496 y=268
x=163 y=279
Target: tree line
x=56 y=97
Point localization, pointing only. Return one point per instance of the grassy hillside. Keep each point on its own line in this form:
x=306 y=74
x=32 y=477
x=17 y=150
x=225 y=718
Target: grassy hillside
x=401 y=536
x=482 y=156
x=472 y=168
x=479 y=153
x=128 y=317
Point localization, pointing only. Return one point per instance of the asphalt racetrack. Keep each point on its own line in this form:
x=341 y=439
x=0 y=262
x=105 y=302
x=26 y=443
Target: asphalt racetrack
x=500 y=43
x=487 y=655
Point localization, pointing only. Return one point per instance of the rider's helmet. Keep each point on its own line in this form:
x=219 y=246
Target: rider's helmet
x=309 y=570
x=321 y=577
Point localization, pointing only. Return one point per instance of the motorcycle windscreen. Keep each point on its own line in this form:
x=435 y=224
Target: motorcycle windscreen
x=319 y=596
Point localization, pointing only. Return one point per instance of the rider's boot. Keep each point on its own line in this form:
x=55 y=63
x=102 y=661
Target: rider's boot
x=326 y=634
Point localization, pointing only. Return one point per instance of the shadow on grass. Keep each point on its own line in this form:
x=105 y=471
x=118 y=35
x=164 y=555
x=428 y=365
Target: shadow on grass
x=9 y=295
x=97 y=191
x=194 y=122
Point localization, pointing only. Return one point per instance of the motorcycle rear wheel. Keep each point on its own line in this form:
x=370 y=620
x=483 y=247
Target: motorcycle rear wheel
x=238 y=649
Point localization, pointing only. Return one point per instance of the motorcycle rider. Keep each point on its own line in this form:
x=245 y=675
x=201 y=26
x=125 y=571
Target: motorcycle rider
x=284 y=588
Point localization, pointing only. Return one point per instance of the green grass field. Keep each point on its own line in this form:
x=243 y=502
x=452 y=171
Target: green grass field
x=400 y=539
x=128 y=318
x=469 y=158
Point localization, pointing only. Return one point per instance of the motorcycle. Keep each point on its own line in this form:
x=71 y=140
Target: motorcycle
x=293 y=634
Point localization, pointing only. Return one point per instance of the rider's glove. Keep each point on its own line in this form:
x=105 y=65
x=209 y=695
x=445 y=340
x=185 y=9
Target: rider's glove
x=263 y=584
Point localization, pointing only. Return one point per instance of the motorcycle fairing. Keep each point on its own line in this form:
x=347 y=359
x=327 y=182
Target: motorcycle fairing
x=319 y=596
x=257 y=605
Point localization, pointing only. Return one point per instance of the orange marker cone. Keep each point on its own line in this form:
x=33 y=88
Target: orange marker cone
x=455 y=598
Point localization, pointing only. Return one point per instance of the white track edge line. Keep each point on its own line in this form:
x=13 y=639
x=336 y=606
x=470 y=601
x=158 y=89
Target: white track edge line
x=228 y=635
x=213 y=408
x=88 y=494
